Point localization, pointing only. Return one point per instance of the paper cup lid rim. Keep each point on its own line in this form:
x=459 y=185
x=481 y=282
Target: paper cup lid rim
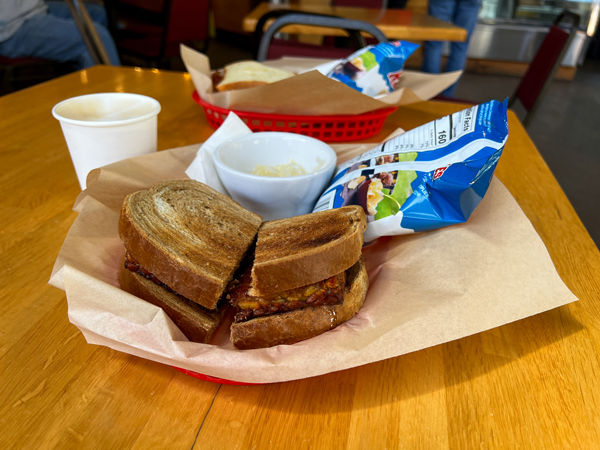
x=111 y=123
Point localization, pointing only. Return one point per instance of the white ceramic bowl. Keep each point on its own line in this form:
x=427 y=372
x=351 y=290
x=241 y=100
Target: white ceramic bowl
x=274 y=197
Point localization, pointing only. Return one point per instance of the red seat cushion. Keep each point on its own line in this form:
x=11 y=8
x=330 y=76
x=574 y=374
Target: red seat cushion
x=21 y=61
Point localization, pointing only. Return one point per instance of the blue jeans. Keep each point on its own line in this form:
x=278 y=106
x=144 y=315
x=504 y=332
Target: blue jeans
x=462 y=13
x=55 y=36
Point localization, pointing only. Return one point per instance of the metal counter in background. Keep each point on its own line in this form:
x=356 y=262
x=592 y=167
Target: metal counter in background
x=513 y=30
x=518 y=43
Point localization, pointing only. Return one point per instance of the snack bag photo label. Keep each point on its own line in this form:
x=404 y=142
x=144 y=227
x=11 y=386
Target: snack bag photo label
x=427 y=178
x=374 y=70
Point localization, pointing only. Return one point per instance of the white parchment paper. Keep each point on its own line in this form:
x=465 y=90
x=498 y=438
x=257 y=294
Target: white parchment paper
x=426 y=289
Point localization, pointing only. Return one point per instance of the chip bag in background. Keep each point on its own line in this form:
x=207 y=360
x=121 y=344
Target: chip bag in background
x=427 y=178
x=373 y=70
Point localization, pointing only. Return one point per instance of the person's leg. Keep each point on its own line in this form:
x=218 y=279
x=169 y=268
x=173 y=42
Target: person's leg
x=465 y=16
x=59 y=9
x=109 y=44
x=432 y=50
x=98 y=16
x=432 y=56
x=96 y=11
x=50 y=37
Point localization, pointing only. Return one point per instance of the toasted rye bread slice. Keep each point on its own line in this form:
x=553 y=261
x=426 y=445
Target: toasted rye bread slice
x=303 y=250
x=189 y=236
x=305 y=323
x=197 y=323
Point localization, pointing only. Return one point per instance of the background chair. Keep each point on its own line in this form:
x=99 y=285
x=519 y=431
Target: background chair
x=151 y=30
x=88 y=32
x=541 y=71
x=279 y=47
x=267 y=49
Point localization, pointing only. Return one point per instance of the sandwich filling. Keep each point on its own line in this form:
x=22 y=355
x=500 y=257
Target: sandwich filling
x=134 y=266
x=326 y=292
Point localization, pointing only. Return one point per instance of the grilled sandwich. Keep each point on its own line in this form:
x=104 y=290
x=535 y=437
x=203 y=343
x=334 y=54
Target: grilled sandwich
x=186 y=247
x=184 y=243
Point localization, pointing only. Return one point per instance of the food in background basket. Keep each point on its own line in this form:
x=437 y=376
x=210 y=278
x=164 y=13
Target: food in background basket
x=247 y=74
x=374 y=70
x=427 y=178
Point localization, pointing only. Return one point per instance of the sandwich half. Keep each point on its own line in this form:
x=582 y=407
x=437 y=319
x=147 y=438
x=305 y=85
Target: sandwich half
x=198 y=324
x=184 y=242
x=307 y=277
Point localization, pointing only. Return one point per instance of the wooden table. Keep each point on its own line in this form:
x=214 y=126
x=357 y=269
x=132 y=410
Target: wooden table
x=530 y=384
x=394 y=23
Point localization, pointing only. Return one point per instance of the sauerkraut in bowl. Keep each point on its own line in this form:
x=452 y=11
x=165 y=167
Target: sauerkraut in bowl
x=276 y=175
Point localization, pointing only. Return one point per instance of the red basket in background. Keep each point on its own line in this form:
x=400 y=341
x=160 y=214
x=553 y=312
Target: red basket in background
x=326 y=128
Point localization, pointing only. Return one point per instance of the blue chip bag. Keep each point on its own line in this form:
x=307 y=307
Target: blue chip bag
x=427 y=178
x=374 y=70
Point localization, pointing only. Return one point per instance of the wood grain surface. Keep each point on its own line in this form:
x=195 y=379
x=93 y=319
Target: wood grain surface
x=394 y=23
x=531 y=384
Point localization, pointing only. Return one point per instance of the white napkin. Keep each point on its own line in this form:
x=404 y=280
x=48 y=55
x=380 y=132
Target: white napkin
x=202 y=167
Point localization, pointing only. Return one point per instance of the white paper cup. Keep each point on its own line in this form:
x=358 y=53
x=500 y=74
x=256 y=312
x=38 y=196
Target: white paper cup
x=101 y=129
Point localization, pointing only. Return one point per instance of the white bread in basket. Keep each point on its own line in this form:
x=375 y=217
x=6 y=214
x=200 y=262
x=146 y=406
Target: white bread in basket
x=247 y=74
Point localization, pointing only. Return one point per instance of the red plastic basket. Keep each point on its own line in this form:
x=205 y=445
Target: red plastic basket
x=201 y=376
x=326 y=128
